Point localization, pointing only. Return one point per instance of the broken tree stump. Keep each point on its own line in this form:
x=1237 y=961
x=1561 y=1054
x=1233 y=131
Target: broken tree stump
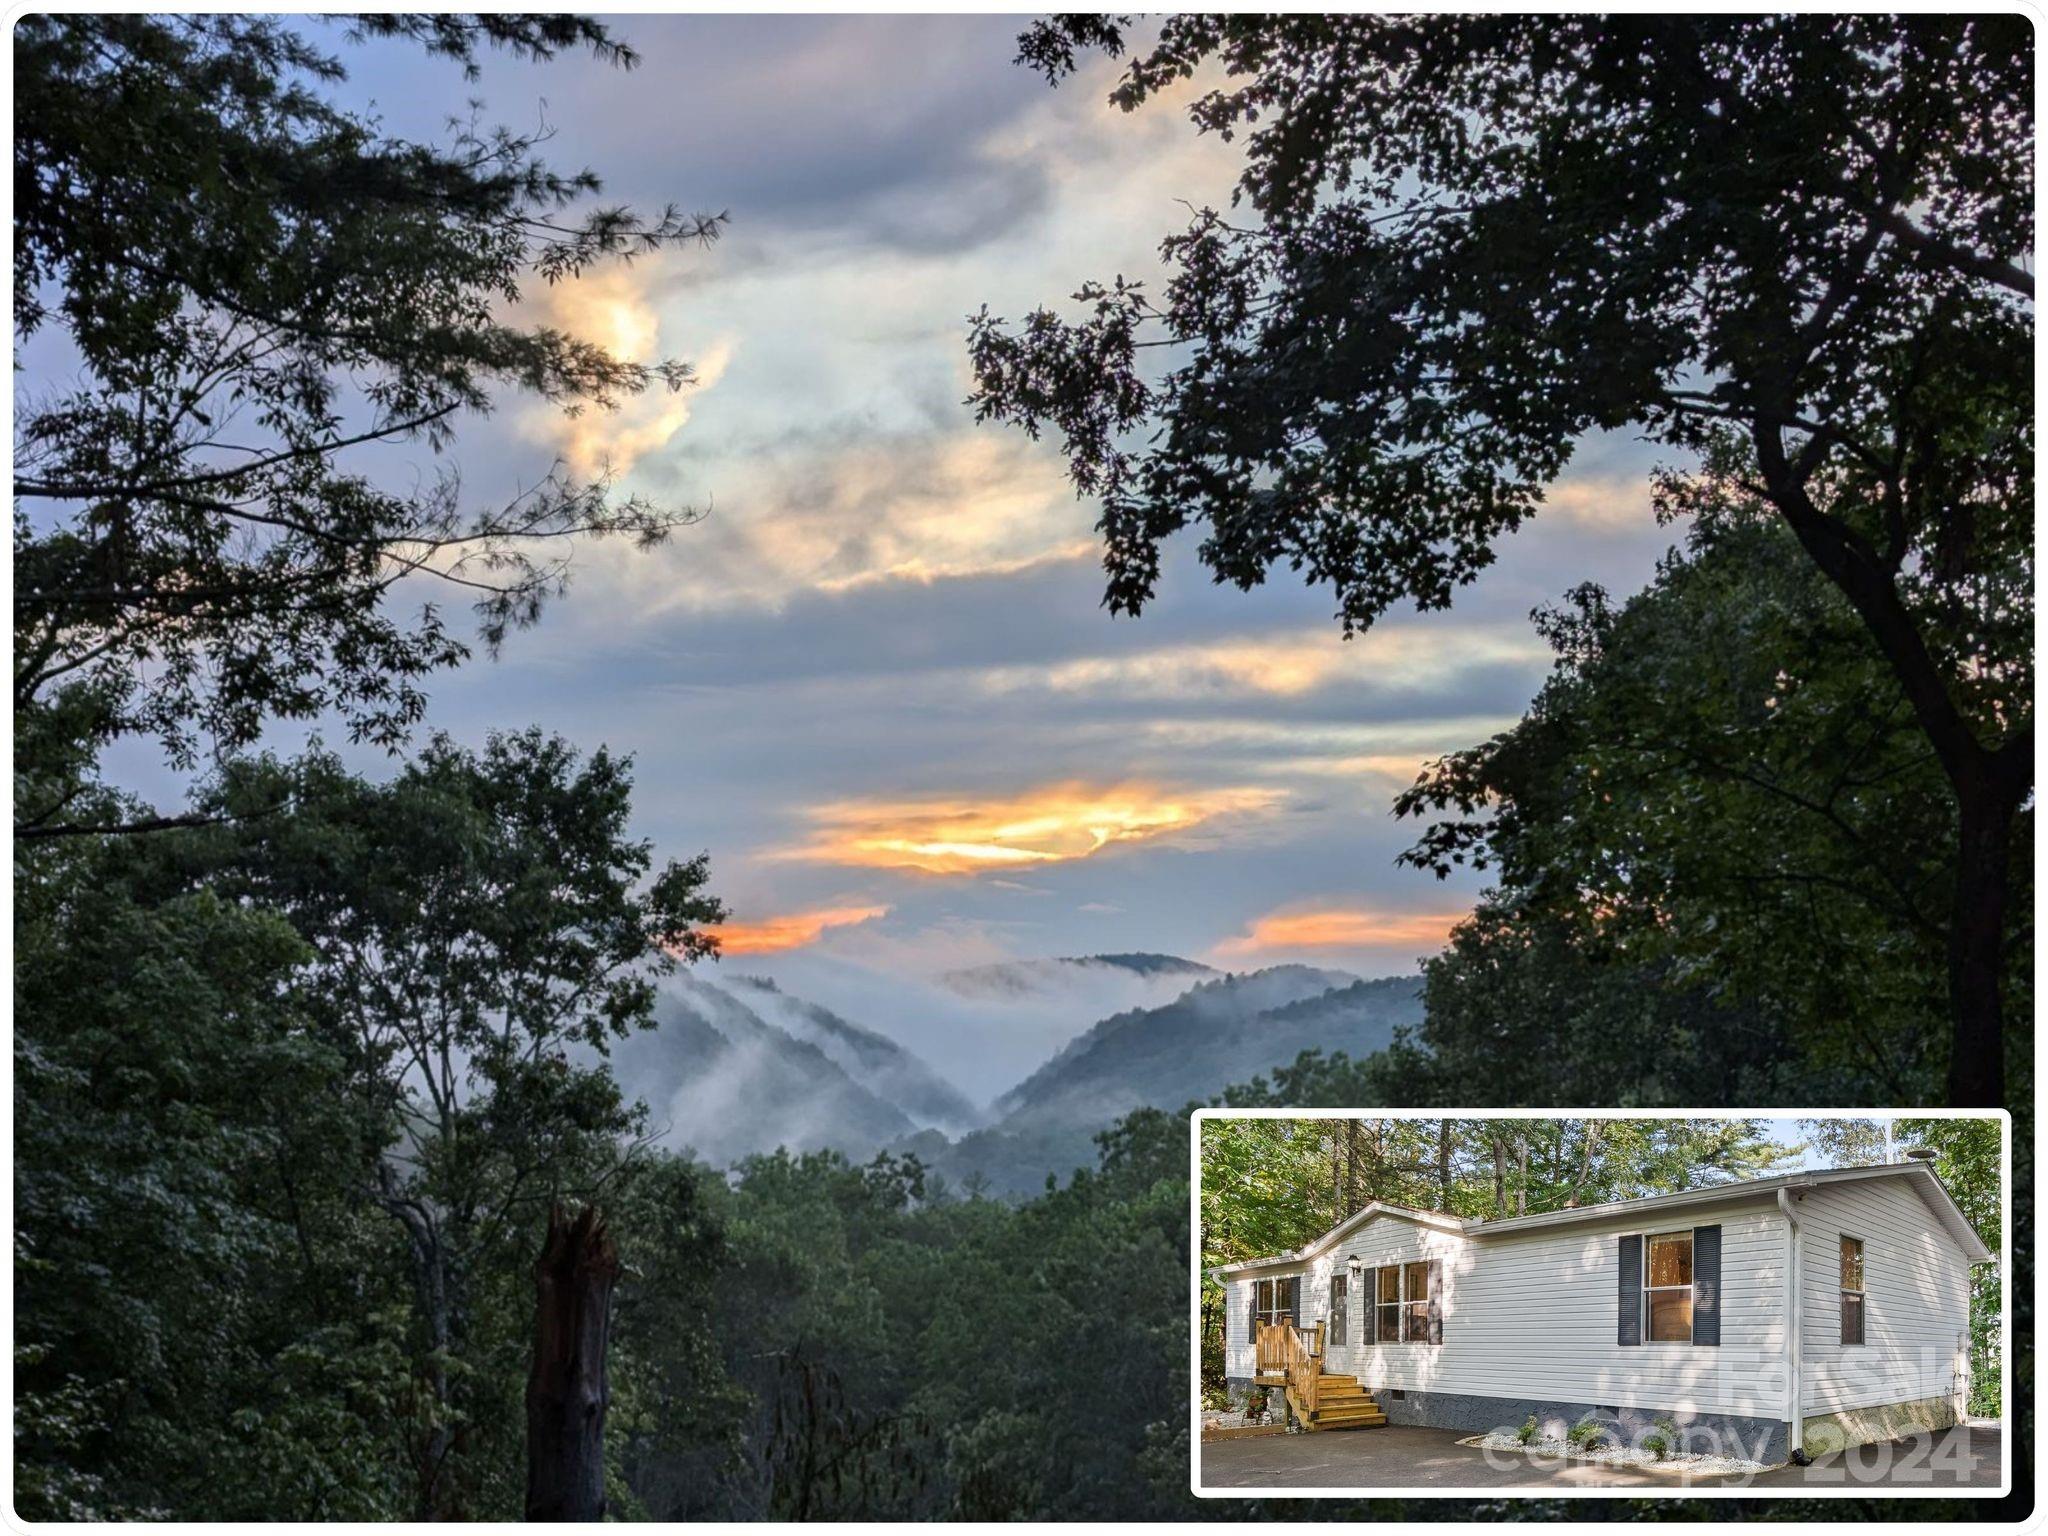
x=567 y=1391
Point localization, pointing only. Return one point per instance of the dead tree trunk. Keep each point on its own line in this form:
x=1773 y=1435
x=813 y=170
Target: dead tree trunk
x=567 y=1391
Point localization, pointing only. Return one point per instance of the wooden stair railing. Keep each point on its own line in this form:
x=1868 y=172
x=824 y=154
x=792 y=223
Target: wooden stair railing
x=1271 y=1345
x=1302 y=1361
x=1296 y=1356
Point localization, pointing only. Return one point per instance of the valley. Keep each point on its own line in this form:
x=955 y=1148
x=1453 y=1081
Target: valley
x=737 y=1065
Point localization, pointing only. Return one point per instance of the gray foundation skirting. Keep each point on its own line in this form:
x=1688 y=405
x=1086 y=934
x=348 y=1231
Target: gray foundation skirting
x=1724 y=1434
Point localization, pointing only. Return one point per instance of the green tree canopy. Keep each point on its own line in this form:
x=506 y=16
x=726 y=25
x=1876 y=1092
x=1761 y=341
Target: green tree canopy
x=482 y=927
x=1717 y=811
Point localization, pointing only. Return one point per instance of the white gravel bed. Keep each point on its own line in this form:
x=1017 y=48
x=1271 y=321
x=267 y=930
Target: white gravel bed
x=1618 y=1455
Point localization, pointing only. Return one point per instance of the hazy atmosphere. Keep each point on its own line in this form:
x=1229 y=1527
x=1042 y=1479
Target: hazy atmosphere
x=875 y=683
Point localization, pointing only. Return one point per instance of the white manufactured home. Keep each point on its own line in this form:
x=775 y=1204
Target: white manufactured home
x=1814 y=1310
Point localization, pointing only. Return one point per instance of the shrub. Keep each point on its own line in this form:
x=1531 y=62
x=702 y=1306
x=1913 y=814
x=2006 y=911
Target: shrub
x=1663 y=1440
x=1528 y=1430
x=1587 y=1435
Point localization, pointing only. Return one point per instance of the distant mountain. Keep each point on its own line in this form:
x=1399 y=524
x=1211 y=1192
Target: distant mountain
x=1210 y=1036
x=739 y=1066
x=727 y=1082
x=874 y=1061
x=1016 y=978
x=1216 y=1034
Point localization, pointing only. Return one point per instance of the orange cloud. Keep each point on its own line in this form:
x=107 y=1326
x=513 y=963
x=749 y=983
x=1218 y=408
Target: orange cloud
x=1340 y=928
x=1052 y=825
x=792 y=930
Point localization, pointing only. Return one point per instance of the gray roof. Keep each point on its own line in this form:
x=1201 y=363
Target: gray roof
x=1920 y=1174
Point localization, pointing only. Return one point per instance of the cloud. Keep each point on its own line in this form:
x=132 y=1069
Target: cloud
x=1601 y=502
x=1329 y=930
x=1051 y=825
x=790 y=930
x=1292 y=664
x=617 y=308
x=837 y=511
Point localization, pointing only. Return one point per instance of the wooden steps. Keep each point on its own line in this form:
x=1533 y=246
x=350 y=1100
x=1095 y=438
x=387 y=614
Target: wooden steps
x=1341 y=1403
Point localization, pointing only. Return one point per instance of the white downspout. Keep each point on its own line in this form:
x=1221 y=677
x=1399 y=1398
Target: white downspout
x=1798 y=1446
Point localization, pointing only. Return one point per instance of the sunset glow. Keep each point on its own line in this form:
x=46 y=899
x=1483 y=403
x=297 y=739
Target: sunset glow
x=791 y=930
x=1331 y=929
x=1048 y=826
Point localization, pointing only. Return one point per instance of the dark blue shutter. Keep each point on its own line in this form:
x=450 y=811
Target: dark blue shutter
x=1294 y=1300
x=1371 y=1277
x=1436 y=1301
x=1706 y=1285
x=1628 y=1308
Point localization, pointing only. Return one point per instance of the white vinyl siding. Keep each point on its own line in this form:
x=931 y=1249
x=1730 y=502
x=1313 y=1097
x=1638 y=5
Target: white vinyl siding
x=1532 y=1315
x=1916 y=1299
x=1536 y=1317
x=1386 y=1239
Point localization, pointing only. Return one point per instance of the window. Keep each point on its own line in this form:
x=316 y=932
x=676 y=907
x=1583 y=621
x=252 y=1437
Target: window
x=1271 y=1301
x=1667 y=1288
x=1340 y=1307
x=1415 y=1309
x=1403 y=1306
x=1852 y=1290
x=1390 y=1305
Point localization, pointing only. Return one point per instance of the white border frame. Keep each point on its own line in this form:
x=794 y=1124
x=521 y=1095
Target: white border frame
x=1843 y=1489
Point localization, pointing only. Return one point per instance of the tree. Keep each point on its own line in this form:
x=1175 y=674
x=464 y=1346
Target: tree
x=204 y=1314
x=1752 y=850
x=248 y=293
x=482 y=927
x=1793 y=245
x=1968 y=1158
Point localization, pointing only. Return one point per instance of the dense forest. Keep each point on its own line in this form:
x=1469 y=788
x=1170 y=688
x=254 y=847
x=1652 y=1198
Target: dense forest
x=303 y=1064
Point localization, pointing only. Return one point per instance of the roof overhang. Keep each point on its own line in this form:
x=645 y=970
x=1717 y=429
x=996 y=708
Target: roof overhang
x=1919 y=1174
x=1925 y=1182
x=1285 y=1263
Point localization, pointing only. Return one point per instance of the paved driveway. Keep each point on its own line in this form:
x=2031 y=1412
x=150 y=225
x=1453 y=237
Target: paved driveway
x=1404 y=1456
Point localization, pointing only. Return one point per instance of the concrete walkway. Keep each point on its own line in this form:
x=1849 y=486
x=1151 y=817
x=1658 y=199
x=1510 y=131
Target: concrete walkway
x=1404 y=1456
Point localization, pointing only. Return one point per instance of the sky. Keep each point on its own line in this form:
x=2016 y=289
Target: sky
x=875 y=682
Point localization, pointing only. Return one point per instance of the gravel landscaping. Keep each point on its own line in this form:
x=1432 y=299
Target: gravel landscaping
x=1616 y=1455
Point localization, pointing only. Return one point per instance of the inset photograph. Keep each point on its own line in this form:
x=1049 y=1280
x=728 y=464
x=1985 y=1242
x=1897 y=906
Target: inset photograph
x=1600 y=1303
